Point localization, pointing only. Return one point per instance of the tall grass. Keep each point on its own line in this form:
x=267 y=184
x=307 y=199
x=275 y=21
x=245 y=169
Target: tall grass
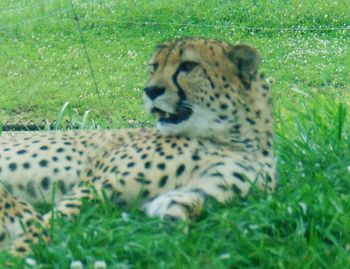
x=304 y=224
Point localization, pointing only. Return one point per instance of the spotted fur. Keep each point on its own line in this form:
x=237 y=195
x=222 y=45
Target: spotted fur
x=213 y=139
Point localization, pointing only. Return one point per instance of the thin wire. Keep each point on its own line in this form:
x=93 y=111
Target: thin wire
x=299 y=29
x=76 y=18
x=2 y=9
x=190 y=24
x=35 y=19
x=53 y=14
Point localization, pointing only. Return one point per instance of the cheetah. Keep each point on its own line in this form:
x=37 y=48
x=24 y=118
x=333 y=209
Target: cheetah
x=213 y=139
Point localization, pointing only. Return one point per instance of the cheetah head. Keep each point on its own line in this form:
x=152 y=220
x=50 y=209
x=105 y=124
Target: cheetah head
x=196 y=86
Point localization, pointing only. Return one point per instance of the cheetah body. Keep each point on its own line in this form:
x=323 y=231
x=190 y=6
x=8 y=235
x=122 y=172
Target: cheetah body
x=213 y=139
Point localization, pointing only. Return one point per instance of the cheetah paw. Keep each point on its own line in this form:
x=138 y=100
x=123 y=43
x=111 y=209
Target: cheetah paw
x=175 y=205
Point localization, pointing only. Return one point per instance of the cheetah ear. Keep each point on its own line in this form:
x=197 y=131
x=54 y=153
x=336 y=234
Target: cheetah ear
x=247 y=60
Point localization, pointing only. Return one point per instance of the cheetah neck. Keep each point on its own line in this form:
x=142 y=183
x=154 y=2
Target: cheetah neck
x=254 y=130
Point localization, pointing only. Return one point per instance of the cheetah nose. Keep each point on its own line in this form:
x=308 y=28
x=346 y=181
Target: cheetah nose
x=154 y=91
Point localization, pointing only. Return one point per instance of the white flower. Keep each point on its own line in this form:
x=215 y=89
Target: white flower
x=100 y=265
x=30 y=263
x=76 y=265
x=303 y=207
x=253 y=226
x=125 y=216
x=225 y=256
x=132 y=54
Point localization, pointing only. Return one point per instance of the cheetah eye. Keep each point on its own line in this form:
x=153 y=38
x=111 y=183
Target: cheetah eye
x=187 y=66
x=153 y=67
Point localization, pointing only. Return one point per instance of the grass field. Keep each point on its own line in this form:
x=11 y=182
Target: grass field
x=305 y=224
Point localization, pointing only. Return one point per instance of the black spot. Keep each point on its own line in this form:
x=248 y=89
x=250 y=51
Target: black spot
x=44 y=147
x=145 y=193
x=54 y=158
x=239 y=176
x=147 y=165
x=187 y=207
x=143 y=181
x=8 y=187
x=163 y=181
x=89 y=173
x=236 y=127
x=236 y=190
x=20 y=152
x=36 y=235
x=223 y=106
x=265 y=152
x=62 y=186
x=20 y=249
x=114 y=169
x=2 y=237
x=68 y=158
x=223 y=187
x=268 y=178
x=180 y=170
x=86 y=191
x=195 y=157
x=161 y=166
x=43 y=163
x=95 y=179
x=252 y=122
x=131 y=164
x=13 y=166
x=108 y=186
x=173 y=145
x=71 y=205
x=31 y=189
x=45 y=183
x=144 y=156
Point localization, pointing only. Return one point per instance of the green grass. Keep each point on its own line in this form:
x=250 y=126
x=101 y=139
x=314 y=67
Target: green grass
x=304 y=224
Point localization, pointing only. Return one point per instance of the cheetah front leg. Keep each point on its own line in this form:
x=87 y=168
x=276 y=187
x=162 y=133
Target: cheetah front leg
x=187 y=202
